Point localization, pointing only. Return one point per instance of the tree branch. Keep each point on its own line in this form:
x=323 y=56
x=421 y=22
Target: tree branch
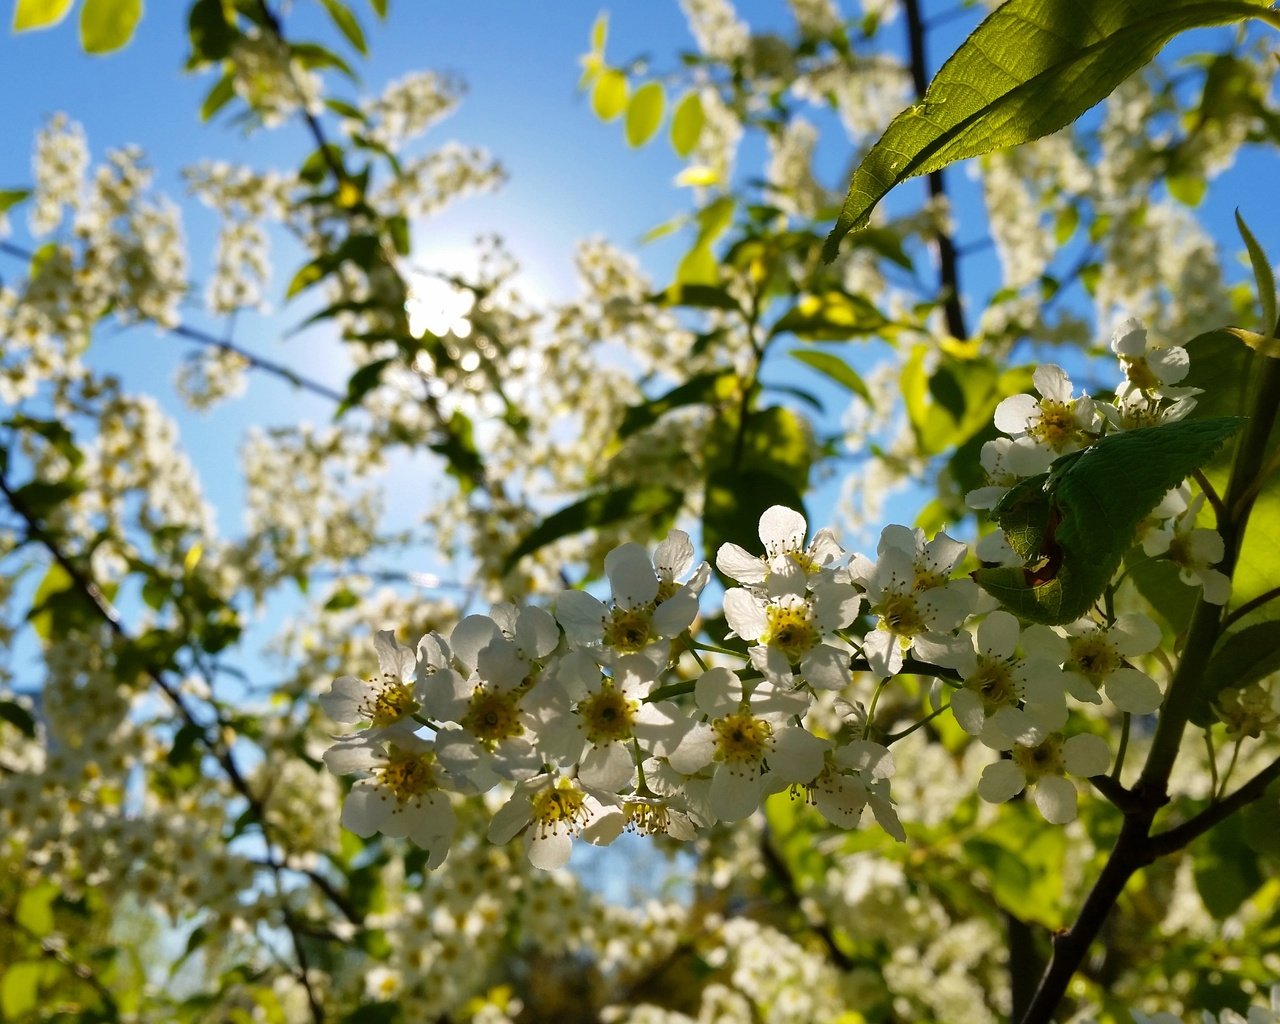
x=948 y=264
x=1163 y=843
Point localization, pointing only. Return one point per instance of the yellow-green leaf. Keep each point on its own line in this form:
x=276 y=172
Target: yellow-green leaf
x=107 y=25
x=686 y=124
x=1262 y=274
x=1261 y=343
x=20 y=989
x=609 y=96
x=29 y=14
x=644 y=113
x=1030 y=68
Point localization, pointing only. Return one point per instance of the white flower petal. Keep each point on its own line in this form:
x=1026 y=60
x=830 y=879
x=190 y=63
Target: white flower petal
x=343 y=700
x=1133 y=691
x=1134 y=633
x=471 y=636
x=734 y=796
x=395 y=660
x=364 y=810
x=582 y=616
x=608 y=767
x=739 y=564
x=1086 y=755
x=1001 y=781
x=631 y=575
x=1056 y=799
x=547 y=850
x=797 y=754
x=998 y=635
x=745 y=613
x=674 y=556
x=782 y=529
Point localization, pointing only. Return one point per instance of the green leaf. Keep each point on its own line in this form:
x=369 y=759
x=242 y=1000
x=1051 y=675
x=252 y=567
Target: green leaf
x=1021 y=862
x=1073 y=524
x=19 y=717
x=1030 y=68
x=107 y=25
x=29 y=14
x=1262 y=822
x=20 y=989
x=1263 y=275
x=835 y=368
x=1157 y=579
x=379 y=8
x=210 y=32
x=609 y=94
x=649 y=502
x=1240 y=658
x=35 y=908
x=698 y=267
x=735 y=499
x=222 y=93
x=362 y=382
x=707 y=388
x=687 y=123
x=830 y=316
x=698 y=296
x=347 y=24
x=1225 y=868
x=460 y=453
x=313 y=56
x=10 y=197
x=644 y=113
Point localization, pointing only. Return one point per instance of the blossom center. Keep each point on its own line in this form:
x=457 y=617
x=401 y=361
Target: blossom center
x=900 y=615
x=608 y=716
x=408 y=775
x=493 y=716
x=994 y=684
x=1139 y=374
x=628 y=629
x=647 y=817
x=560 y=805
x=1056 y=426
x=742 y=738
x=1043 y=759
x=1093 y=657
x=392 y=702
x=790 y=629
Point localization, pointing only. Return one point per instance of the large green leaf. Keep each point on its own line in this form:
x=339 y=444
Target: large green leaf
x=1073 y=524
x=1030 y=68
x=107 y=25
x=29 y=14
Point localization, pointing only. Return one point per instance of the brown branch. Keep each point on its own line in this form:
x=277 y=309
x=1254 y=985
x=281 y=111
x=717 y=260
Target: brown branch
x=1163 y=843
x=948 y=264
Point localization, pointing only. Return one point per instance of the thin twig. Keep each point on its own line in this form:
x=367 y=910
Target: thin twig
x=1163 y=843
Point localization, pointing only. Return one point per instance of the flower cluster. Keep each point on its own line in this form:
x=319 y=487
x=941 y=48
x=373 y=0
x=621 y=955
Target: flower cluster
x=601 y=716
x=1060 y=422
